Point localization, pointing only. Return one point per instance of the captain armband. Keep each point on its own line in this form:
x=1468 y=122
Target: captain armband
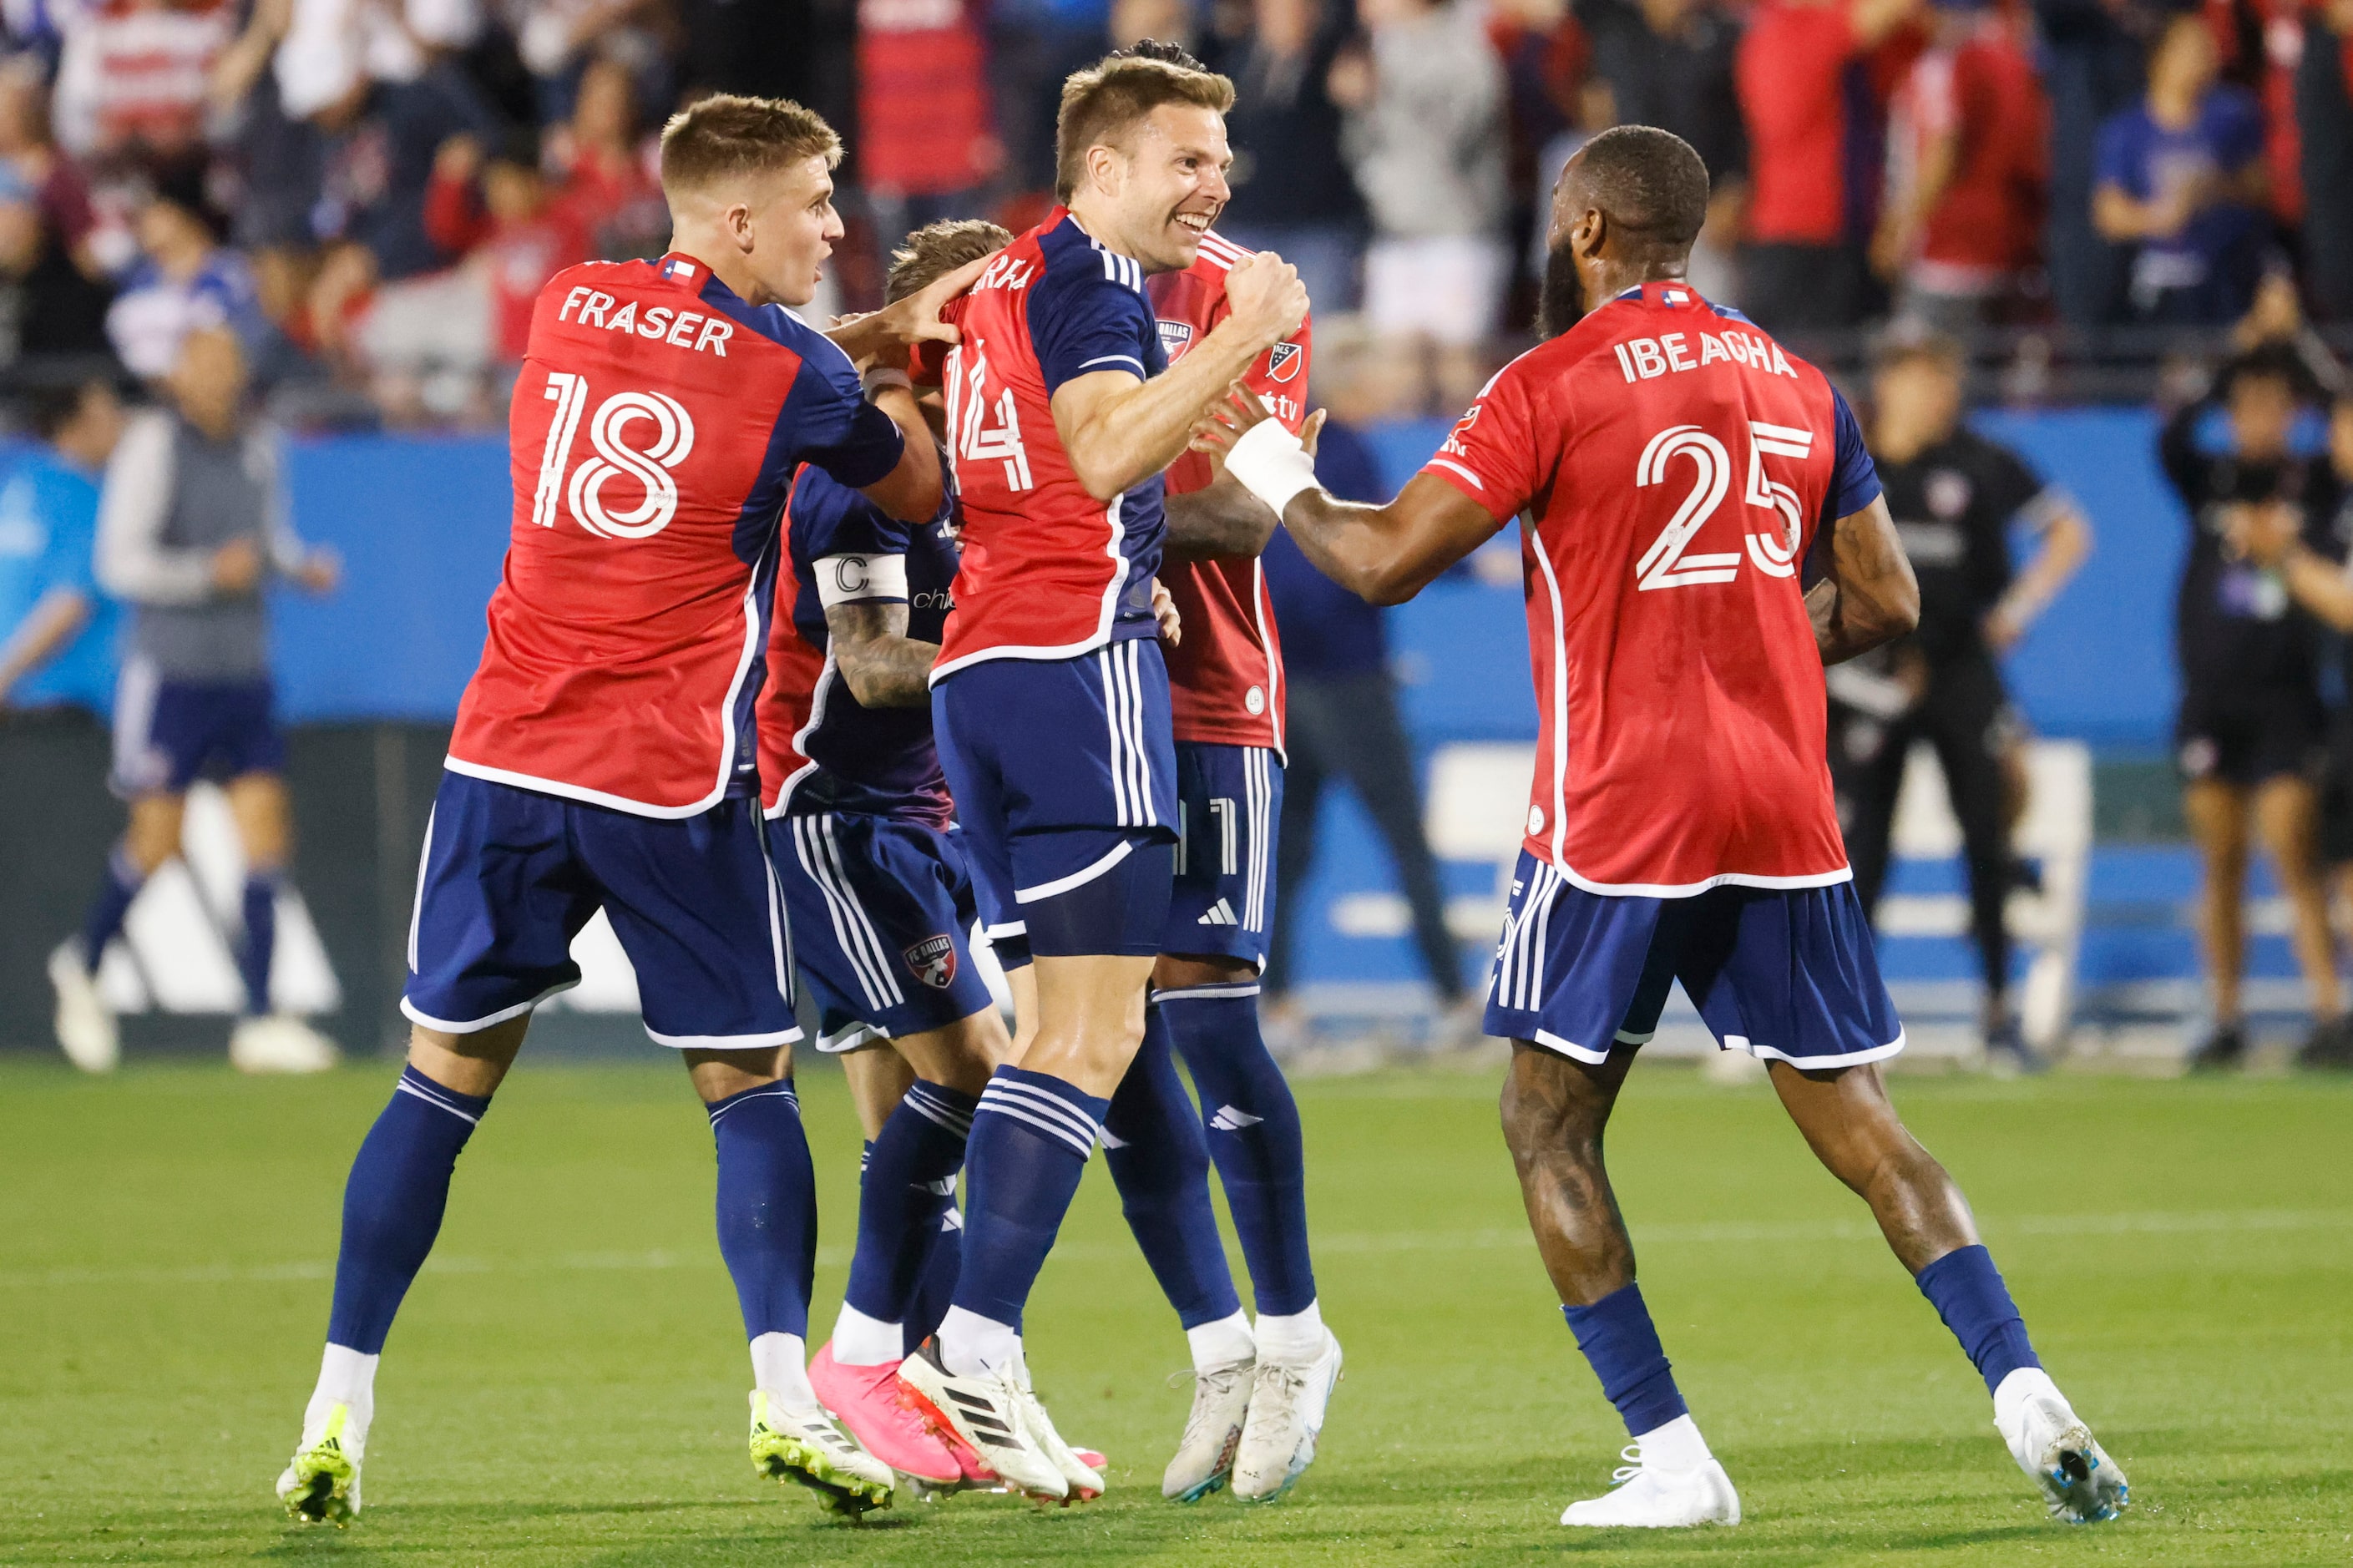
x=854 y=579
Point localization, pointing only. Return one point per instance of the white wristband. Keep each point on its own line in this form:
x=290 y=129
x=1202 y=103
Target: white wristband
x=880 y=377
x=1271 y=464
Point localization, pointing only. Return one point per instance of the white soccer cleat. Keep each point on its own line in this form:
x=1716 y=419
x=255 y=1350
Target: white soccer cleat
x=1213 y=1431
x=2080 y=1484
x=984 y=1412
x=1286 y=1416
x=321 y=1484
x=86 y=1028
x=805 y=1447
x=279 y=1043
x=1084 y=1481
x=1645 y=1498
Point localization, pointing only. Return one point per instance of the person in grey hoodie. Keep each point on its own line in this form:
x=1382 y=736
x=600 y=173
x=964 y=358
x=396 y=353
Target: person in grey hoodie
x=192 y=526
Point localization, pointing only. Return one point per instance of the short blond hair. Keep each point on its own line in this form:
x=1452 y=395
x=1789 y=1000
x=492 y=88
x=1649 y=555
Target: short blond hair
x=936 y=249
x=728 y=137
x=1102 y=104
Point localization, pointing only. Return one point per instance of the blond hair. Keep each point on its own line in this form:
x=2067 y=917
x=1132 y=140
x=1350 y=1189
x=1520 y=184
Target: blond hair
x=727 y=137
x=936 y=249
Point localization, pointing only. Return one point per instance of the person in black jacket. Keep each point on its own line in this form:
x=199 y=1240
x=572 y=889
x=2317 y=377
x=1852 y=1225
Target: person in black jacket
x=2250 y=741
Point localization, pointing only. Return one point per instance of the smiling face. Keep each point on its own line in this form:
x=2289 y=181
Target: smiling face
x=1154 y=197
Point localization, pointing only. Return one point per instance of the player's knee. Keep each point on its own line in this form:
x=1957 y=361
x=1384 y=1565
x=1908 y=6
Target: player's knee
x=1541 y=1118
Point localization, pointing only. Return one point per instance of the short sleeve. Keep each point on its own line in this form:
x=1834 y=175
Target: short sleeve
x=1083 y=320
x=827 y=518
x=1490 y=456
x=2019 y=490
x=1854 y=478
x=828 y=421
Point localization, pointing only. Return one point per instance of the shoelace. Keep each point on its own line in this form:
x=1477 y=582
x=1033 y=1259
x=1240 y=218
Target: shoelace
x=1632 y=1452
x=1208 y=1388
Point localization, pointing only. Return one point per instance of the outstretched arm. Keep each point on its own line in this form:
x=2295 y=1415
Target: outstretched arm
x=1385 y=554
x=1868 y=596
x=1223 y=518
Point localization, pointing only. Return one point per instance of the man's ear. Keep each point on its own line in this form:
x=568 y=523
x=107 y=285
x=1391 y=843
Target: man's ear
x=737 y=220
x=1104 y=168
x=1591 y=233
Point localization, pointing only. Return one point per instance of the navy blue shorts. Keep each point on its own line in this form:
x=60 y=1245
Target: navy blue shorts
x=170 y=733
x=1784 y=974
x=1064 y=777
x=1229 y=799
x=881 y=914
x=510 y=876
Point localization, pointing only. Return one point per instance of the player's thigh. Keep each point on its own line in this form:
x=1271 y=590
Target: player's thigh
x=1555 y=1106
x=264 y=816
x=1789 y=975
x=473 y=1064
x=152 y=835
x=697 y=908
x=878 y=1078
x=1577 y=973
x=1089 y=1018
x=500 y=896
x=882 y=910
x=1221 y=901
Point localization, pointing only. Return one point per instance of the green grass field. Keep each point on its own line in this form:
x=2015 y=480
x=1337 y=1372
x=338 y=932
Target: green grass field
x=567 y=1384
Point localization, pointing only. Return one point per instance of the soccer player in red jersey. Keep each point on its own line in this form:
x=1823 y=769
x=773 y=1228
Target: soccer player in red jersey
x=1673 y=467
x=1050 y=700
x=604 y=751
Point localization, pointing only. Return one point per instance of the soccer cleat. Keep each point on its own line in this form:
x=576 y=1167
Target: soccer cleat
x=866 y=1400
x=1205 y=1455
x=322 y=1484
x=1086 y=1481
x=2222 y=1051
x=2330 y=1047
x=984 y=1413
x=279 y=1043
x=2080 y=1484
x=1286 y=1416
x=85 y=1024
x=1643 y=1498
x=806 y=1447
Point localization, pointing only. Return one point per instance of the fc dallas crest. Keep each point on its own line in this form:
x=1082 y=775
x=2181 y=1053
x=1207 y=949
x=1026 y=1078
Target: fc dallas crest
x=1282 y=361
x=934 y=961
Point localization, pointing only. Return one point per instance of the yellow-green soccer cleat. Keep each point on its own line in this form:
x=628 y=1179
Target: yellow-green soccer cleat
x=322 y=1485
x=804 y=1446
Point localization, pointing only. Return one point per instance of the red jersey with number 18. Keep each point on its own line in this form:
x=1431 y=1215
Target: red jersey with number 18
x=656 y=425
x=1673 y=464
x=1225 y=674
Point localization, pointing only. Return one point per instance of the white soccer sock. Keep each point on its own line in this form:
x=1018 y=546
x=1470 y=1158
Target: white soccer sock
x=861 y=1340
x=1677 y=1446
x=780 y=1366
x=346 y=1378
x=1223 y=1342
x=1291 y=1339
x=971 y=1344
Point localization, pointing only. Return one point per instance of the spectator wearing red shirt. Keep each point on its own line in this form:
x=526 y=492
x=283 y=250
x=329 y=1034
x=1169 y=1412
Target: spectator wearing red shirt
x=1968 y=167
x=2324 y=111
x=927 y=138
x=496 y=213
x=1807 y=109
x=603 y=166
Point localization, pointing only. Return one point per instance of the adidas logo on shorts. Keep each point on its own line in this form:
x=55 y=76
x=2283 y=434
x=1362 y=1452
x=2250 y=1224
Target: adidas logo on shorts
x=1222 y=913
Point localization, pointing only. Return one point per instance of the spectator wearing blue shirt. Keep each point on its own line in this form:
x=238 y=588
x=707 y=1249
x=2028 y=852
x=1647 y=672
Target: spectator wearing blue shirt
x=2181 y=177
x=1343 y=725
x=185 y=279
x=56 y=631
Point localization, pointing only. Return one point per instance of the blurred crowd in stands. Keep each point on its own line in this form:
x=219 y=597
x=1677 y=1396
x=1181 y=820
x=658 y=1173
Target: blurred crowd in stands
x=370 y=191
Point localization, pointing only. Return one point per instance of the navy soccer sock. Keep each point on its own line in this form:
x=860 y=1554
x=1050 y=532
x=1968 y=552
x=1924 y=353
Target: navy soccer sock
x=1160 y=1162
x=253 y=955
x=1621 y=1343
x=1030 y=1138
x=908 y=1184
x=392 y=1205
x=1967 y=1291
x=104 y=919
x=936 y=1288
x=767 y=1206
x=1254 y=1137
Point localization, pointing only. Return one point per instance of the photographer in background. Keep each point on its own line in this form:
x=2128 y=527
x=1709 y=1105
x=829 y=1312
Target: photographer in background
x=1952 y=495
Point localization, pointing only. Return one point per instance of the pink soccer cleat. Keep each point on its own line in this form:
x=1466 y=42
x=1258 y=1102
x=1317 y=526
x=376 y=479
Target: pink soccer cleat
x=866 y=1399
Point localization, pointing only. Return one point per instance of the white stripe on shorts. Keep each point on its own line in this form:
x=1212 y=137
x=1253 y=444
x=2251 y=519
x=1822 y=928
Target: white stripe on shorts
x=813 y=840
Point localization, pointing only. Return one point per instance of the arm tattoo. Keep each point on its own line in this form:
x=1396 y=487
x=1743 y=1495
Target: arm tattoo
x=885 y=668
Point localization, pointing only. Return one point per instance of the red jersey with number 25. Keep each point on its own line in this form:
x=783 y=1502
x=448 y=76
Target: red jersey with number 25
x=1225 y=674
x=656 y=425
x=1673 y=464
